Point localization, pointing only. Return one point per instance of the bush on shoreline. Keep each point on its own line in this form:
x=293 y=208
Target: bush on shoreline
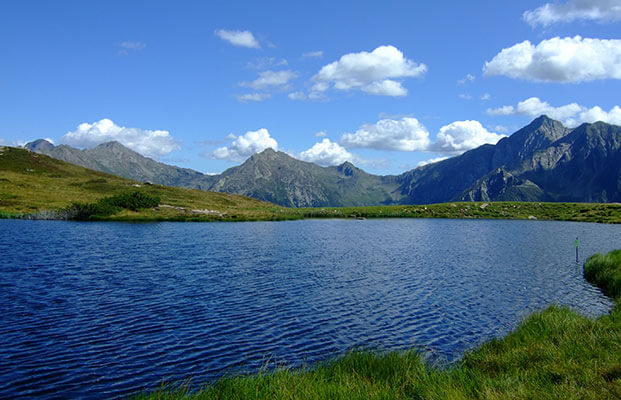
x=107 y=206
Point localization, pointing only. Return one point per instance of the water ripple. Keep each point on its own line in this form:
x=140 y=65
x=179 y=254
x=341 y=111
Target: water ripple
x=105 y=310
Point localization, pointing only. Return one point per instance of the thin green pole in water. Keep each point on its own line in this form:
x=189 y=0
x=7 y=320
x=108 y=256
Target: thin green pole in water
x=576 y=243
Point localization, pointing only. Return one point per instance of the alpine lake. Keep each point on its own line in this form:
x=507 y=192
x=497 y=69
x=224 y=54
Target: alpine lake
x=106 y=310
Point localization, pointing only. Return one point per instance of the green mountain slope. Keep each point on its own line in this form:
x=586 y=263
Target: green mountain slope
x=32 y=183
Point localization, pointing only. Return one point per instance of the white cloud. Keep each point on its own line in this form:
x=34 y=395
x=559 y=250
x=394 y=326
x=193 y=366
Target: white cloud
x=373 y=72
x=246 y=145
x=597 y=10
x=500 y=129
x=238 y=38
x=313 y=54
x=267 y=62
x=327 y=153
x=571 y=115
x=387 y=87
x=431 y=161
x=146 y=142
x=321 y=134
x=128 y=46
x=297 y=96
x=271 y=79
x=460 y=136
x=406 y=134
x=465 y=96
x=133 y=45
x=559 y=60
x=466 y=79
x=504 y=110
x=486 y=96
x=50 y=140
x=244 y=98
x=597 y=114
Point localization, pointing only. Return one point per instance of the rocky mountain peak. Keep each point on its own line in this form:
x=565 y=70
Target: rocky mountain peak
x=347 y=168
x=40 y=146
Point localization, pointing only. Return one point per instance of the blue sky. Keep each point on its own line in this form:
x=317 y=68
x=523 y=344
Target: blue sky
x=386 y=85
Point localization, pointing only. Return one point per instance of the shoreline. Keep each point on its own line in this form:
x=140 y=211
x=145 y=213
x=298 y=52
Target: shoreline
x=553 y=353
x=576 y=212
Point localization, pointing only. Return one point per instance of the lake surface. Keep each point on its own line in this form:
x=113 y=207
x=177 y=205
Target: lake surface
x=103 y=310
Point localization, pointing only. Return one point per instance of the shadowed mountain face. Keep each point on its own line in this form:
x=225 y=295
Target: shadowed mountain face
x=282 y=179
x=544 y=161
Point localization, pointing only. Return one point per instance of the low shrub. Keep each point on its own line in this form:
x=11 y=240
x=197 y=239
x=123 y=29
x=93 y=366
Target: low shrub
x=133 y=201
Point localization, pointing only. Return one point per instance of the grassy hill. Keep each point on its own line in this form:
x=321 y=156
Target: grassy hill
x=31 y=184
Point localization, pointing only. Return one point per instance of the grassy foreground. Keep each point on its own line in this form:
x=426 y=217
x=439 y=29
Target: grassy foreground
x=36 y=186
x=553 y=354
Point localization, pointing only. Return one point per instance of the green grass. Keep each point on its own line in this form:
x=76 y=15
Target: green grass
x=553 y=354
x=583 y=212
x=604 y=270
x=36 y=186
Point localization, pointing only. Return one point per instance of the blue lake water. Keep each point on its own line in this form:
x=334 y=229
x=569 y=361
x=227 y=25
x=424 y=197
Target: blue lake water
x=103 y=310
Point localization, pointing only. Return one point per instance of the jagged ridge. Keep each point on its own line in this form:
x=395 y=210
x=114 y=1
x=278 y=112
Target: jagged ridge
x=544 y=161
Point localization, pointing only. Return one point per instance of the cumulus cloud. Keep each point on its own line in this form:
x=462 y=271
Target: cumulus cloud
x=238 y=38
x=406 y=134
x=595 y=114
x=431 y=161
x=533 y=107
x=244 y=98
x=559 y=60
x=387 y=87
x=596 y=10
x=271 y=79
x=375 y=72
x=327 y=153
x=321 y=134
x=486 y=96
x=465 y=96
x=297 y=96
x=460 y=136
x=571 y=115
x=146 y=142
x=246 y=145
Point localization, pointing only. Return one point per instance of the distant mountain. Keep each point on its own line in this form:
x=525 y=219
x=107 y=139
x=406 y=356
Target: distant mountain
x=544 y=161
x=116 y=159
x=455 y=177
x=279 y=178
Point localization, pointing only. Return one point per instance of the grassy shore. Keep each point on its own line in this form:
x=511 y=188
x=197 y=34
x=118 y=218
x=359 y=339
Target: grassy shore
x=553 y=354
x=36 y=186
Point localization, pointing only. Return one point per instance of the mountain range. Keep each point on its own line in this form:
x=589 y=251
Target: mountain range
x=544 y=161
